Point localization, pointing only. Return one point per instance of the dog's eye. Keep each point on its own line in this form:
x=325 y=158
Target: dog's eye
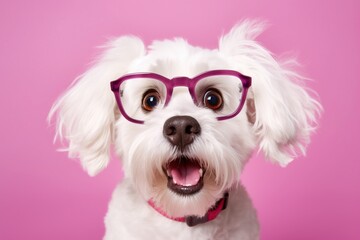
x=213 y=99
x=150 y=100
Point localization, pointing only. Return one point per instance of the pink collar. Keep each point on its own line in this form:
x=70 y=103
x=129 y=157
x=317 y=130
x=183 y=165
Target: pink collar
x=191 y=221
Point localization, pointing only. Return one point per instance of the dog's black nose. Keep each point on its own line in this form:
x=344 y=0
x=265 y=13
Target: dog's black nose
x=181 y=130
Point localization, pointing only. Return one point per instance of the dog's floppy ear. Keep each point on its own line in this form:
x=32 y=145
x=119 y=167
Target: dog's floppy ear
x=282 y=112
x=85 y=113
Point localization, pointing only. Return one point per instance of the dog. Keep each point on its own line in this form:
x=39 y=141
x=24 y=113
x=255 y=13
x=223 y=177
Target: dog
x=184 y=121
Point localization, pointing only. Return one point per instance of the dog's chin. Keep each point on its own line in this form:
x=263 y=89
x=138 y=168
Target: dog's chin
x=185 y=176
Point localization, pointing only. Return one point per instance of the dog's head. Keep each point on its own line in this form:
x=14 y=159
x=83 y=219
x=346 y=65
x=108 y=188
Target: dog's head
x=185 y=120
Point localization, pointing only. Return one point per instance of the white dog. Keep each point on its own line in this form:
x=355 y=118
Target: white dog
x=184 y=121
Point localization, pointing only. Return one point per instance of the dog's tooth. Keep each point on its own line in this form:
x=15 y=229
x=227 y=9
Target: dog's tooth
x=201 y=172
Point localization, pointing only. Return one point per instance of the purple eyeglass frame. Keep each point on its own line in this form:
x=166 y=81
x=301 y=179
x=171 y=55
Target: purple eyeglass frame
x=190 y=83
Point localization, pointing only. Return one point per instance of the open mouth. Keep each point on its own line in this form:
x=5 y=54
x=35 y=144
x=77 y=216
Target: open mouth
x=185 y=176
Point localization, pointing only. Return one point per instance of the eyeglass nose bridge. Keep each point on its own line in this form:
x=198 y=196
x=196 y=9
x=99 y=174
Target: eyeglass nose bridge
x=180 y=81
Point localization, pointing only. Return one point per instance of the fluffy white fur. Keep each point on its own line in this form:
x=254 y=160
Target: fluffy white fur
x=277 y=119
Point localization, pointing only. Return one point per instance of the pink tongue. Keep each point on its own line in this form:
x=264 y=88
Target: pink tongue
x=185 y=174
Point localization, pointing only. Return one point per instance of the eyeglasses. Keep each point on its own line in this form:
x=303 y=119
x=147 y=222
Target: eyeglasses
x=138 y=95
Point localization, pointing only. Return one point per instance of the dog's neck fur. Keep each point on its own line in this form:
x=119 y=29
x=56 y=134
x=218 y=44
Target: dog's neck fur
x=191 y=221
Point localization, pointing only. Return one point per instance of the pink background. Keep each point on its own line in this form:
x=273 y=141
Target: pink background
x=45 y=44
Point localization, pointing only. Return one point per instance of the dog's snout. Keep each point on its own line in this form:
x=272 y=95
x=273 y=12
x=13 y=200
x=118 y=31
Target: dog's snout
x=181 y=130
